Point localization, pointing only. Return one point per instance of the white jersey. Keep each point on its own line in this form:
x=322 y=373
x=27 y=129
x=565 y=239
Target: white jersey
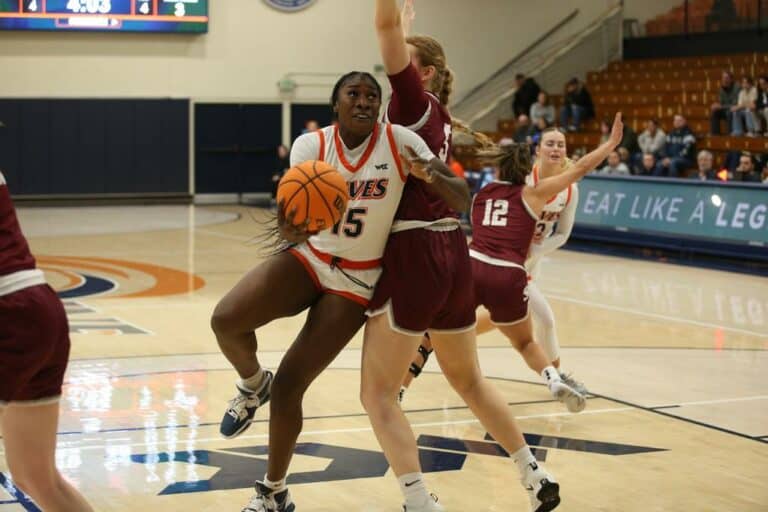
x=376 y=178
x=552 y=210
x=559 y=211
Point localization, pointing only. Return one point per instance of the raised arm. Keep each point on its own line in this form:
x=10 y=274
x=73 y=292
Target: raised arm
x=546 y=188
x=391 y=34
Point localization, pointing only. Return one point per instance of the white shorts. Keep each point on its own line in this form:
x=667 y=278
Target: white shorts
x=355 y=284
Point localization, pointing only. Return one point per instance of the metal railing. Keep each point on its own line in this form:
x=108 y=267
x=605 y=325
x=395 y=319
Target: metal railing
x=551 y=62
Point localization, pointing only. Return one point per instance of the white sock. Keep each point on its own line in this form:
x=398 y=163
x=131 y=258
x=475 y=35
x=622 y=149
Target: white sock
x=523 y=457
x=413 y=489
x=550 y=375
x=276 y=486
x=254 y=382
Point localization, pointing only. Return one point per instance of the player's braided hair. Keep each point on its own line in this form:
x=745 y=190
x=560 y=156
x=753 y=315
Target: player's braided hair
x=431 y=53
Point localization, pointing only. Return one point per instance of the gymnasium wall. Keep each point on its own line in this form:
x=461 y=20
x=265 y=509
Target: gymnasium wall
x=250 y=46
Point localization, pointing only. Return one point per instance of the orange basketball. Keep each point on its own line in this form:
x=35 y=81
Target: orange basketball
x=316 y=191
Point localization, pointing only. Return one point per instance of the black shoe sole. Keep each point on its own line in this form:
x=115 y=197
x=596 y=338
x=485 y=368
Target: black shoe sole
x=549 y=496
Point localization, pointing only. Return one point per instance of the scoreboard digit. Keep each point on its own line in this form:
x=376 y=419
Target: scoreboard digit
x=179 y=16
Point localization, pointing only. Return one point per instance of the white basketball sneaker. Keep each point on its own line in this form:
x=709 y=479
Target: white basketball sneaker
x=431 y=506
x=543 y=489
x=573 y=400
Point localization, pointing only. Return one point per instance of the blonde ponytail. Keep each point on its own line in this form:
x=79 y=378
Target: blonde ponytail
x=447 y=88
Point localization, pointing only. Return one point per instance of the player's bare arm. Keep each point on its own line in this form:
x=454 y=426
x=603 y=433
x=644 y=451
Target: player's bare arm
x=451 y=188
x=391 y=34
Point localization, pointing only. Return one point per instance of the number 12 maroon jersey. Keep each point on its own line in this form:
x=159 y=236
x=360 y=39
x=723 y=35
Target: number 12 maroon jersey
x=502 y=223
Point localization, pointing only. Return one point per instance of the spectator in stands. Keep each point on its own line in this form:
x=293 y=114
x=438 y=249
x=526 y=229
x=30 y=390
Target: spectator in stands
x=457 y=168
x=647 y=166
x=761 y=105
x=536 y=130
x=522 y=129
x=624 y=156
x=310 y=125
x=706 y=169
x=746 y=170
x=578 y=153
x=527 y=90
x=605 y=130
x=577 y=106
x=653 y=138
x=729 y=96
x=614 y=166
x=282 y=164
x=744 y=110
x=543 y=110
x=629 y=140
x=679 y=149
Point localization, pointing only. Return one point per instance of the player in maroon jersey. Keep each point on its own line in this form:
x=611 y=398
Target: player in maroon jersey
x=34 y=348
x=427 y=286
x=504 y=217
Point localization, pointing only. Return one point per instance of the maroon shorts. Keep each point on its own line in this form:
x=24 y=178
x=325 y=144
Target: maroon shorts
x=502 y=290
x=34 y=345
x=426 y=282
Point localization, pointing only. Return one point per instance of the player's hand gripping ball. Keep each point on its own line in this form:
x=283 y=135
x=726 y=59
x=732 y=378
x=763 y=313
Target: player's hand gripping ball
x=313 y=195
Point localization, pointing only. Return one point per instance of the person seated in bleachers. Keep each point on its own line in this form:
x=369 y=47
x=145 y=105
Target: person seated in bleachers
x=536 y=130
x=651 y=140
x=542 y=109
x=577 y=106
x=746 y=170
x=647 y=166
x=527 y=90
x=678 y=150
x=629 y=139
x=522 y=129
x=706 y=169
x=729 y=96
x=605 y=130
x=744 y=110
x=614 y=166
x=761 y=105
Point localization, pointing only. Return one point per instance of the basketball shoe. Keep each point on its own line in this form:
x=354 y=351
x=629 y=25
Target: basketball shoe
x=267 y=500
x=573 y=400
x=578 y=386
x=242 y=408
x=543 y=489
x=431 y=506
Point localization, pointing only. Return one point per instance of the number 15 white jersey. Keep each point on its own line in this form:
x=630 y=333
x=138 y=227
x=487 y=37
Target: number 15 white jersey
x=375 y=176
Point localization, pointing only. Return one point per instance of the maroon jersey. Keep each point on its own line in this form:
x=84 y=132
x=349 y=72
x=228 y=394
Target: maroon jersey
x=14 y=251
x=502 y=224
x=420 y=111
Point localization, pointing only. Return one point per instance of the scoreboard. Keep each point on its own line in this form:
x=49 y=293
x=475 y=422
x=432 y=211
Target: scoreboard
x=181 y=16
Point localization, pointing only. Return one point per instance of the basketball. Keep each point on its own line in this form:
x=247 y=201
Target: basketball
x=316 y=191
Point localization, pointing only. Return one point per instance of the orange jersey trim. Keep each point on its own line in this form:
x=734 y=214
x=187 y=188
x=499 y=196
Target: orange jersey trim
x=343 y=263
x=350 y=296
x=395 y=154
x=321 y=153
x=363 y=159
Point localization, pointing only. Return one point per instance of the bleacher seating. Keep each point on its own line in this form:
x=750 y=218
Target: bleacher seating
x=659 y=89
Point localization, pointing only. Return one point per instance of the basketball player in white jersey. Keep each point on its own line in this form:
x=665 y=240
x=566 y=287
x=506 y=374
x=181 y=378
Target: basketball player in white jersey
x=552 y=232
x=331 y=273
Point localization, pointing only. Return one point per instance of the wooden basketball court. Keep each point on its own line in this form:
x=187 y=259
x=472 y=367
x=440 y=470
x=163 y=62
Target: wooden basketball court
x=676 y=356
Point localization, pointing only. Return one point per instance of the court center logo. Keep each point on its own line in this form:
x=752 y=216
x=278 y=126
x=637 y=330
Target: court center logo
x=76 y=277
x=289 y=5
